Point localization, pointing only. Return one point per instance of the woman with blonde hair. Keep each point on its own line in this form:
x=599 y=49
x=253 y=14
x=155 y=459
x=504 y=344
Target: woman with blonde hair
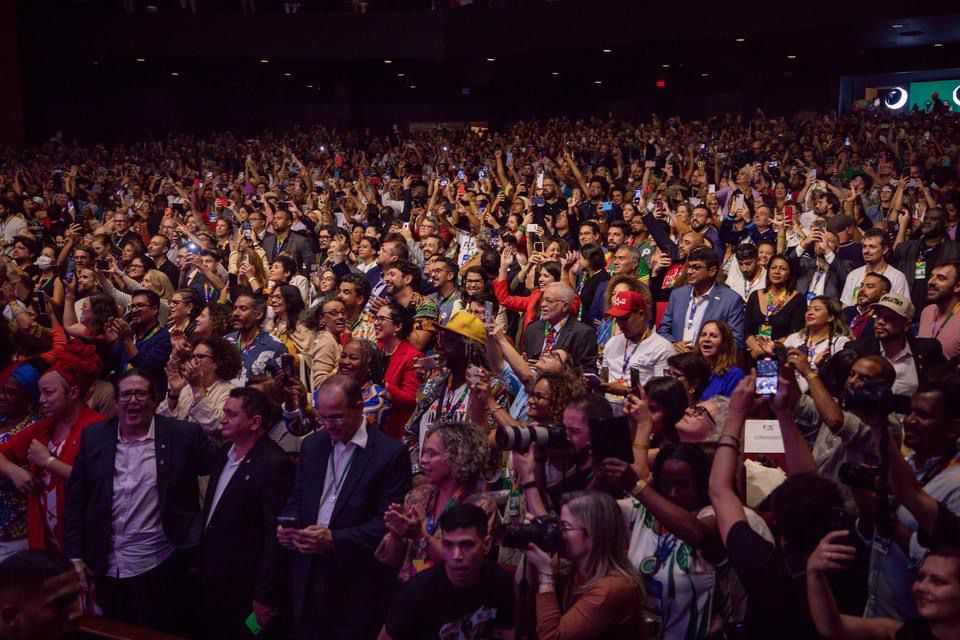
x=158 y=282
x=250 y=271
x=604 y=596
x=453 y=458
x=717 y=344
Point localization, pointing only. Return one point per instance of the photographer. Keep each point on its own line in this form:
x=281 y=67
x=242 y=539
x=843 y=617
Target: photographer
x=547 y=473
x=930 y=430
x=844 y=435
x=603 y=598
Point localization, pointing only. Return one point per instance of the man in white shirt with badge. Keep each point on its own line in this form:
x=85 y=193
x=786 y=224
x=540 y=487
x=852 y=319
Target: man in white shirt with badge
x=875 y=247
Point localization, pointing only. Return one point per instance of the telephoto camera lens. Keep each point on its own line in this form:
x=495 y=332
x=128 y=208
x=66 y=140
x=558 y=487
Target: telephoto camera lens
x=551 y=436
x=543 y=531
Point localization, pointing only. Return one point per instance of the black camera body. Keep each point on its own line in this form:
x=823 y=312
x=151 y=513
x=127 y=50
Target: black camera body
x=873 y=396
x=551 y=436
x=859 y=476
x=543 y=531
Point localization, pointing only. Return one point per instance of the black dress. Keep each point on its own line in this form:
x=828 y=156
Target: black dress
x=783 y=322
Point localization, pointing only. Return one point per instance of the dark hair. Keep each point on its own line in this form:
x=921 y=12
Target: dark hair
x=193 y=298
x=465 y=516
x=220 y=323
x=948 y=386
x=552 y=267
x=408 y=268
x=146 y=374
x=746 y=251
x=374 y=242
x=293 y=299
x=672 y=398
x=593 y=226
x=287 y=263
x=699 y=463
x=791 y=284
x=887 y=285
x=255 y=403
x=359 y=282
x=694 y=367
x=874 y=232
x=594 y=405
x=102 y=308
x=401 y=317
x=371 y=359
x=226 y=356
x=257 y=301
x=210 y=253
x=447 y=262
x=25 y=571
x=483 y=297
x=152 y=297
x=835 y=371
x=706 y=255
x=593 y=254
x=400 y=249
x=801 y=508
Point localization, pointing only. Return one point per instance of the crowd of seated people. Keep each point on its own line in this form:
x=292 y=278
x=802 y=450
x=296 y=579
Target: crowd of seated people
x=573 y=379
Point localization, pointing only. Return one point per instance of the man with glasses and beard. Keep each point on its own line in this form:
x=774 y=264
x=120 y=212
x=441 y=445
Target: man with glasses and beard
x=132 y=518
x=140 y=341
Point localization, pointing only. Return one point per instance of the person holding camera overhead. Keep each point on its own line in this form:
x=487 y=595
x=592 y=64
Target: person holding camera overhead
x=603 y=596
x=452 y=458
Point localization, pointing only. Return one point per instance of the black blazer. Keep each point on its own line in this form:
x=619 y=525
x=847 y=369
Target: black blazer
x=927 y=355
x=297 y=244
x=184 y=453
x=240 y=552
x=835 y=276
x=347 y=587
x=575 y=336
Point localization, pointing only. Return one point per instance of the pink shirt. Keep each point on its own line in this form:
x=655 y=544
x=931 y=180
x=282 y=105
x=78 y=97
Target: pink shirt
x=945 y=328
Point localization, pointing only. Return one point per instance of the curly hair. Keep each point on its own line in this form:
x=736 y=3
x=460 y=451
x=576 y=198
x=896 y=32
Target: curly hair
x=226 y=357
x=220 y=321
x=466 y=448
x=564 y=387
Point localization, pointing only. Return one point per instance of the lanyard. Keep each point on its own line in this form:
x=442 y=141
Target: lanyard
x=451 y=503
x=149 y=335
x=950 y=314
x=453 y=406
x=694 y=303
x=338 y=480
x=773 y=305
x=812 y=348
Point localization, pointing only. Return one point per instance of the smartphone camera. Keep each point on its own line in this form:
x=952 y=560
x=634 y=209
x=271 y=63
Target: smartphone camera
x=101 y=265
x=768 y=376
x=286 y=363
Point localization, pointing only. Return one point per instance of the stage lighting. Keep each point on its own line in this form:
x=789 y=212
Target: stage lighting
x=956 y=95
x=896 y=98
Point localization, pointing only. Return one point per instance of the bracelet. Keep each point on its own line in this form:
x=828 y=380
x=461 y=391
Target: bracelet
x=639 y=487
x=810 y=375
x=46 y=463
x=641 y=447
x=529 y=485
x=727 y=444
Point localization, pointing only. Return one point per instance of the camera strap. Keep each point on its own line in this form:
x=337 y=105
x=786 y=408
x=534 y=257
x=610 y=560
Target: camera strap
x=938 y=468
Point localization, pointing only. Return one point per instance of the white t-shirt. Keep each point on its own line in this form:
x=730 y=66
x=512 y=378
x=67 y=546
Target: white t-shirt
x=649 y=356
x=851 y=287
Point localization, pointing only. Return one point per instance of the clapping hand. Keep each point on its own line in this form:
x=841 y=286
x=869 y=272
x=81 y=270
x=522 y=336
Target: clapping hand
x=400 y=524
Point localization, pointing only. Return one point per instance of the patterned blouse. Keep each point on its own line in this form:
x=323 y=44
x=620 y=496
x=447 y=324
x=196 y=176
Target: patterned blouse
x=13 y=503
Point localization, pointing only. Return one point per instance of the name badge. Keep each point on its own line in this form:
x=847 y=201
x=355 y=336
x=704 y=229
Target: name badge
x=765 y=330
x=920 y=270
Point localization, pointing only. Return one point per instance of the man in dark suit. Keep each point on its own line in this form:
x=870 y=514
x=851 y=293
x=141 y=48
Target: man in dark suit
x=241 y=563
x=917 y=258
x=283 y=239
x=699 y=301
x=557 y=329
x=820 y=271
x=347 y=476
x=912 y=358
x=132 y=509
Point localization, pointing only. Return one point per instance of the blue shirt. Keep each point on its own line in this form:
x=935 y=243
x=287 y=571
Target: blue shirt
x=722 y=385
x=516 y=389
x=261 y=356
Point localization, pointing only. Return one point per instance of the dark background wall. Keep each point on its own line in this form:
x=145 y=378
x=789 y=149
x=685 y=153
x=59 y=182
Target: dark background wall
x=80 y=71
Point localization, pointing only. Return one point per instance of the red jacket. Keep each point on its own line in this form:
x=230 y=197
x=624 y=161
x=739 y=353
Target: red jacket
x=15 y=450
x=402 y=383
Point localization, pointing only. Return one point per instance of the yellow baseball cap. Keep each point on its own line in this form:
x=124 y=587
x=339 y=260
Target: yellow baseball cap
x=464 y=323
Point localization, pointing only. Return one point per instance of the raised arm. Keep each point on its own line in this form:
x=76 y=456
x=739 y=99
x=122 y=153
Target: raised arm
x=723 y=475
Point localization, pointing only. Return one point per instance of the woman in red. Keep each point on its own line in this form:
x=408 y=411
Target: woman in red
x=39 y=459
x=393 y=324
x=529 y=306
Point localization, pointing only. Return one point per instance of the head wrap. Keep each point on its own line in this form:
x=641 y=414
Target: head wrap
x=79 y=365
x=28 y=377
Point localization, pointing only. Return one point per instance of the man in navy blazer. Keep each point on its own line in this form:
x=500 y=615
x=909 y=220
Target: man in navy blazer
x=132 y=509
x=700 y=301
x=347 y=476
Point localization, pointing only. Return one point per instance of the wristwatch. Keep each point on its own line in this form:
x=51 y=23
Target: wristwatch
x=639 y=487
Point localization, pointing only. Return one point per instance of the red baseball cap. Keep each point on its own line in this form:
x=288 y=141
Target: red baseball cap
x=624 y=303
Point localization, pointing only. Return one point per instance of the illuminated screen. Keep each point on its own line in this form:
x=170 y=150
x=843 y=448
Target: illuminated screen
x=949 y=90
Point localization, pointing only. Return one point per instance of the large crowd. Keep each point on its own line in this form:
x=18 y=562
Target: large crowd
x=572 y=379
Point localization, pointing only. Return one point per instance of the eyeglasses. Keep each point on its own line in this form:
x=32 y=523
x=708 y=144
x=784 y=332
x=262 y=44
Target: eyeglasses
x=566 y=527
x=174 y=301
x=136 y=394
x=699 y=411
x=379 y=319
x=336 y=418
x=696 y=267
x=140 y=305
x=200 y=356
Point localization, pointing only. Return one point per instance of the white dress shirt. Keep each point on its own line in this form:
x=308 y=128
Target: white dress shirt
x=338 y=466
x=139 y=543
x=229 y=469
x=906 y=367
x=694 y=317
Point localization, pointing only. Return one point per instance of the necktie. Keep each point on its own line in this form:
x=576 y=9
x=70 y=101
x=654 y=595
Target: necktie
x=550 y=341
